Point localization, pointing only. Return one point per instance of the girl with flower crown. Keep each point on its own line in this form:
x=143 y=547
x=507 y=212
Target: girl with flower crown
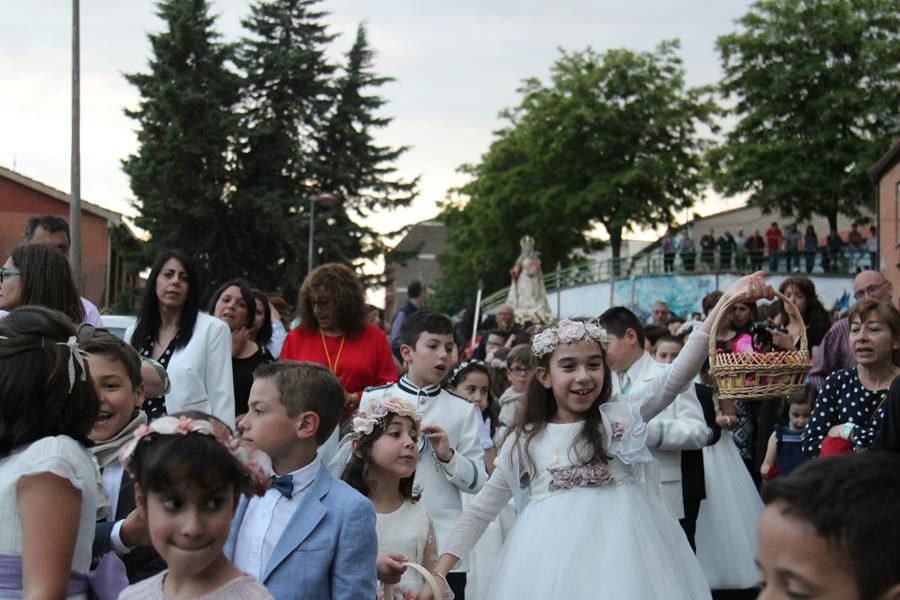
x=189 y=472
x=579 y=469
x=385 y=446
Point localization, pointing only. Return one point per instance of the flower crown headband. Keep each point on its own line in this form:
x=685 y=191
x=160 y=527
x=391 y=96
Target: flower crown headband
x=567 y=331
x=376 y=411
x=219 y=431
x=464 y=365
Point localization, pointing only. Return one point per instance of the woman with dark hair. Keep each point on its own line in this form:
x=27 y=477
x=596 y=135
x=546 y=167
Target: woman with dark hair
x=333 y=331
x=194 y=348
x=232 y=304
x=261 y=332
x=802 y=292
x=40 y=275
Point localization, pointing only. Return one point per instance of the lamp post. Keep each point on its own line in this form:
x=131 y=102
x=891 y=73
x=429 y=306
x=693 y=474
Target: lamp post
x=325 y=199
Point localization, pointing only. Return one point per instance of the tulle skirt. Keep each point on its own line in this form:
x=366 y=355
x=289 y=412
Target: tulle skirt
x=726 y=525
x=602 y=542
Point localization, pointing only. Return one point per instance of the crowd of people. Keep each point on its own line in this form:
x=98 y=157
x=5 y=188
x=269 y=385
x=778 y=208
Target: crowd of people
x=237 y=453
x=776 y=250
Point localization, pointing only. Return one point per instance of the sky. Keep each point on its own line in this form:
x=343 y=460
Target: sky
x=456 y=66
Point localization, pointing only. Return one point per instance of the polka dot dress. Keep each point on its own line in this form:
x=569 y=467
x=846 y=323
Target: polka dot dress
x=843 y=399
x=156 y=407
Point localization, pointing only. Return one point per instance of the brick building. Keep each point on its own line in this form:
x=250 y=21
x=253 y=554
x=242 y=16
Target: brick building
x=22 y=197
x=886 y=175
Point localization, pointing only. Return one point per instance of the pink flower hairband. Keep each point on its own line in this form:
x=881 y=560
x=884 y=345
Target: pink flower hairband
x=377 y=409
x=567 y=331
x=253 y=461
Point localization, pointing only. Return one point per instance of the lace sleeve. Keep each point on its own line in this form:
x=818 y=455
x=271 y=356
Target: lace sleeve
x=484 y=508
x=671 y=382
x=430 y=554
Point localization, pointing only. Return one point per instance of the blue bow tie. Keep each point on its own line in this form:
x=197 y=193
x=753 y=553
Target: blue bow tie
x=284 y=484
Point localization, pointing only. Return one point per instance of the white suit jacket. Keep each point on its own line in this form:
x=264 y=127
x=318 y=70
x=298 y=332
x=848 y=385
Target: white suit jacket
x=201 y=371
x=680 y=426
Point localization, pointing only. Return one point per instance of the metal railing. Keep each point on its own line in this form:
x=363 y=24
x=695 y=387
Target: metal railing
x=842 y=262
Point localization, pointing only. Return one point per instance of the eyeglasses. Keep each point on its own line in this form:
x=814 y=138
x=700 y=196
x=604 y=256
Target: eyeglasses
x=6 y=273
x=869 y=291
x=520 y=371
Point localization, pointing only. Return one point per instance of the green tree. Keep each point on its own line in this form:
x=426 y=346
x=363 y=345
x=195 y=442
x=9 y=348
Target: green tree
x=613 y=139
x=352 y=165
x=814 y=86
x=185 y=122
x=286 y=95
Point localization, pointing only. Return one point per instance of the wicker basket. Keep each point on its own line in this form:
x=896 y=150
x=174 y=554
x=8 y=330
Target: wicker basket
x=757 y=375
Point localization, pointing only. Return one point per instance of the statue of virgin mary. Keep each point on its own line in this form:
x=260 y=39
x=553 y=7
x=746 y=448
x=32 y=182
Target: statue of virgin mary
x=527 y=294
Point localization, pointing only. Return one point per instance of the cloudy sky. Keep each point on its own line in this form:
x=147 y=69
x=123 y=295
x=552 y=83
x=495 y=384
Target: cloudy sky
x=456 y=64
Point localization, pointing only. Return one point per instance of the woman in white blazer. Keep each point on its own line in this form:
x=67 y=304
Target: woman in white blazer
x=194 y=348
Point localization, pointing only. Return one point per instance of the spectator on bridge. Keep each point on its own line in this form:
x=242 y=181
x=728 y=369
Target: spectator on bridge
x=54 y=231
x=834 y=246
x=872 y=247
x=834 y=351
x=727 y=245
x=792 y=248
x=686 y=248
x=755 y=246
x=740 y=258
x=810 y=247
x=708 y=250
x=669 y=247
x=774 y=238
x=856 y=244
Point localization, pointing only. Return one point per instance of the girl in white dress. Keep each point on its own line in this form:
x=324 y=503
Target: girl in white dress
x=591 y=522
x=382 y=467
x=189 y=473
x=48 y=479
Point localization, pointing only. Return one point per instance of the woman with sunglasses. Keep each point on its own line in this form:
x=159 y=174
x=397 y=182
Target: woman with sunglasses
x=334 y=332
x=40 y=275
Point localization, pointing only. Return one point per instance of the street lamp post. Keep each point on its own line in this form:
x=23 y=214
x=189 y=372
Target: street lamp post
x=325 y=199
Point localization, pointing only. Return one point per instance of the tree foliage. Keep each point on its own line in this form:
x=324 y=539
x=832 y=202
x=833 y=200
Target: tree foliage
x=185 y=117
x=228 y=159
x=612 y=139
x=815 y=87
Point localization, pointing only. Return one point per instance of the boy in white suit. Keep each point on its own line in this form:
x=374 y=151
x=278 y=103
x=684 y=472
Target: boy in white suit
x=679 y=427
x=451 y=459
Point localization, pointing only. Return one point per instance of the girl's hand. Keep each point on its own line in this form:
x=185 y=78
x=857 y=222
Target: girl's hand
x=134 y=530
x=389 y=567
x=726 y=421
x=438 y=439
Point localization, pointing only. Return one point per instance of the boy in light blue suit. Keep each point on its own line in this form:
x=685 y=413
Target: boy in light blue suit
x=311 y=536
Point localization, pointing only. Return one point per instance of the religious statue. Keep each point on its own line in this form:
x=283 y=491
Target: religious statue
x=527 y=294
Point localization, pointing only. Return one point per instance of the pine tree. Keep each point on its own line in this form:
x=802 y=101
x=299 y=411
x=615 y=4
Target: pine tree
x=179 y=173
x=286 y=95
x=352 y=165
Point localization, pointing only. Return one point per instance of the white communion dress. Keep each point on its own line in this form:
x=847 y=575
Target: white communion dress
x=595 y=531
x=726 y=525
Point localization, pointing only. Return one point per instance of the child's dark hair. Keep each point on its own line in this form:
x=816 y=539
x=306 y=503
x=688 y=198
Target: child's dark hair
x=356 y=473
x=850 y=500
x=540 y=406
x=805 y=397
x=674 y=339
x=307 y=386
x=618 y=319
x=166 y=463
x=37 y=398
x=497 y=368
x=459 y=373
x=264 y=335
x=101 y=342
x=422 y=321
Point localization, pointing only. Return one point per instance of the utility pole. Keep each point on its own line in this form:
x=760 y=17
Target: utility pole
x=75 y=194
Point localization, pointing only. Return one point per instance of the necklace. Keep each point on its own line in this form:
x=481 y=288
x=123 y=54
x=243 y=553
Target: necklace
x=332 y=366
x=555 y=459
